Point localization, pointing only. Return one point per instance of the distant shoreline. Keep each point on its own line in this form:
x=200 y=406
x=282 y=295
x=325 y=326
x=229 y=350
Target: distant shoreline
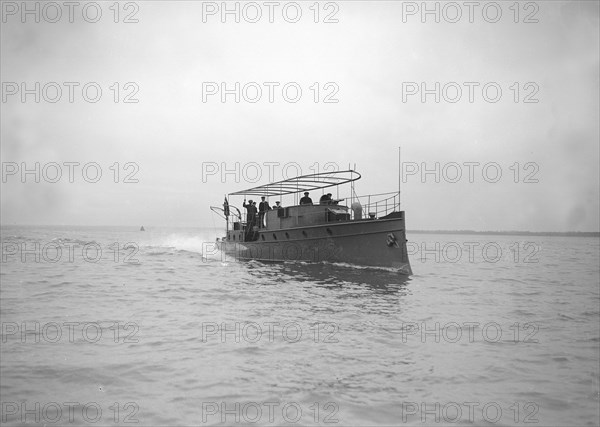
x=512 y=233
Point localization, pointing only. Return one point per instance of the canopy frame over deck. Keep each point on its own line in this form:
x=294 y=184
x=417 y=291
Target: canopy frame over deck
x=299 y=184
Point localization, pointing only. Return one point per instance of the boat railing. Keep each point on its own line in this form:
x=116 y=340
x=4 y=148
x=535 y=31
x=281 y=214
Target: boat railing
x=377 y=205
x=373 y=206
x=234 y=214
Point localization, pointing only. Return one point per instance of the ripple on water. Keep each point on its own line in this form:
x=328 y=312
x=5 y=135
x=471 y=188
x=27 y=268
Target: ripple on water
x=367 y=365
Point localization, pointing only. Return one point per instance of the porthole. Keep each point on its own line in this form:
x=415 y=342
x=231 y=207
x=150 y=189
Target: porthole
x=329 y=231
x=304 y=233
x=274 y=236
x=287 y=236
x=262 y=236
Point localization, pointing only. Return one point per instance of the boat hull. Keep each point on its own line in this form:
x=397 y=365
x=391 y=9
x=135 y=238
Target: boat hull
x=370 y=243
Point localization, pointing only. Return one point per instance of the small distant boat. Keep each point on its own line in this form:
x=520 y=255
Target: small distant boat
x=142 y=228
x=323 y=231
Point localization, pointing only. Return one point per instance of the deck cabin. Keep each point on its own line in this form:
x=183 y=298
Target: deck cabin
x=292 y=217
x=305 y=215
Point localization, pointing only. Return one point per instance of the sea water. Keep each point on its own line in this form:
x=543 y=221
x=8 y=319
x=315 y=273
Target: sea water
x=113 y=326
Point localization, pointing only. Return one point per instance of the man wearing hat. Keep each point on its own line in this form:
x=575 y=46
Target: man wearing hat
x=306 y=200
x=263 y=207
x=251 y=213
x=325 y=199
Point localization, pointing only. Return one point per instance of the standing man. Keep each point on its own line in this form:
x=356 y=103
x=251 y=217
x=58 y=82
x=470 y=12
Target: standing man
x=263 y=207
x=251 y=213
x=306 y=200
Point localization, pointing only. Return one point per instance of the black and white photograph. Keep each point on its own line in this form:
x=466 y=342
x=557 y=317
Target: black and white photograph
x=300 y=213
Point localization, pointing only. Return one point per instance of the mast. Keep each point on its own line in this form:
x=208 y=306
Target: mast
x=226 y=217
x=399 y=175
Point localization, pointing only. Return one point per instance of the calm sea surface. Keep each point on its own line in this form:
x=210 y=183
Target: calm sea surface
x=111 y=326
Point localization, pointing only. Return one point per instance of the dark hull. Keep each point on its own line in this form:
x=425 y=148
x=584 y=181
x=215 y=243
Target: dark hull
x=370 y=243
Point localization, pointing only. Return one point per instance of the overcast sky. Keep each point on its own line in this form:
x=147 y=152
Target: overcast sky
x=372 y=61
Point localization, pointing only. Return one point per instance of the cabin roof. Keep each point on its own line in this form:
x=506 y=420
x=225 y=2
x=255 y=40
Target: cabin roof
x=300 y=184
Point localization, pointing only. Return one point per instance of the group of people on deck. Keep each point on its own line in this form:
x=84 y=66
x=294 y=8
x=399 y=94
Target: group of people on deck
x=257 y=216
x=324 y=200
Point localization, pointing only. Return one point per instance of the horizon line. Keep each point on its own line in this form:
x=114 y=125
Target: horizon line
x=431 y=231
